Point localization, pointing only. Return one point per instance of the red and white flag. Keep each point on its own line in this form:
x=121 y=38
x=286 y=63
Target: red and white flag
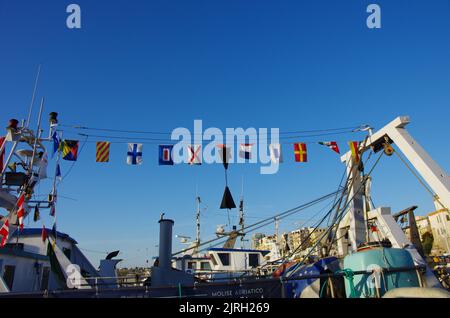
x=195 y=154
x=21 y=210
x=4 y=232
x=331 y=144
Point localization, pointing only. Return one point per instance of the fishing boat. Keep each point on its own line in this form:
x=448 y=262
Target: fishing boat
x=363 y=253
x=32 y=259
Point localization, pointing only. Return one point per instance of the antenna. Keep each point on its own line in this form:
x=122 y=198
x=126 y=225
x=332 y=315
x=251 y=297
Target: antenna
x=36 y=138
x=197 y=241
x=241 y=213
x=33 y=96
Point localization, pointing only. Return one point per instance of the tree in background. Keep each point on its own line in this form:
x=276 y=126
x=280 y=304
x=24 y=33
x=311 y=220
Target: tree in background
x=427 y=242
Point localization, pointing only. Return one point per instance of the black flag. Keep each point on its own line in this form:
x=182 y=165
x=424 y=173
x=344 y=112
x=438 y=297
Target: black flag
x=227 y=200
x=225 y=155
x=37 y=214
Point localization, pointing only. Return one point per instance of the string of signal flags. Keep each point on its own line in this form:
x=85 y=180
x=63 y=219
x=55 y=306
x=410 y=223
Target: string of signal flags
x=134 y=154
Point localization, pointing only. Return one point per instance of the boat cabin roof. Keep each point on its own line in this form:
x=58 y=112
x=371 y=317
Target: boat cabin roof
x=38 y=232
x=234 y=250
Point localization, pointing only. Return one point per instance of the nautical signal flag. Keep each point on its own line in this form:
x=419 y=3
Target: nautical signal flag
x=55 y=234
x=52 y=199
x=195 y=154
x=354 y=148
x=2 y=152
x=21 y=210
x=55 y=138
x=4 y=232
x=301 y=154
x=245 y=151
x=102 y=151
x=224 y=155
x=69 y=149
x=37 y=214
x=58 y=172
x=134 y=154
x=165 y=155
x=330 y=144
x=275 y=153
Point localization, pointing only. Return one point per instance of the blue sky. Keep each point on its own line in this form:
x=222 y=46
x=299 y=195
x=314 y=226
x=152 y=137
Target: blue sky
x=158 y=65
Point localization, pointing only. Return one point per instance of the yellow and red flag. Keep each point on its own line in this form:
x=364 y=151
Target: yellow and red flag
x=102 y=154
x=354 y=147
x=300 y=152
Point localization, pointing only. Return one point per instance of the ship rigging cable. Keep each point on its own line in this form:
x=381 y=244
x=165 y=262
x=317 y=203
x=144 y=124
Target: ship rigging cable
x=270 y=219
x=354 y=128
x=341 y=215
x=156 y=137
x=149 y=140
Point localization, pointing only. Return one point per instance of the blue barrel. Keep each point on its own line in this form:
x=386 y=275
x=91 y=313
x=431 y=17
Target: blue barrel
x=365 y=285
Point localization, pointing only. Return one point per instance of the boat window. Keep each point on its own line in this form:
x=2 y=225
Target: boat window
x=224 y=258
x=191 y=265
x=253 y=260
x=205 y=265
x=45 y=278
x=8 y=275
x=213 y=260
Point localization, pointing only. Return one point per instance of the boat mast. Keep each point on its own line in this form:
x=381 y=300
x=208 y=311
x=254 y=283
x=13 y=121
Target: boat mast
x=241 y=220
x=197 y=241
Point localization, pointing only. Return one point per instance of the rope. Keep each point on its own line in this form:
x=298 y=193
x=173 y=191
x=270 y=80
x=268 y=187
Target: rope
x=79 y=127
x=322 y=289
x=150 y=140
x=73 y=163
x=349 y=276
x=418 y=178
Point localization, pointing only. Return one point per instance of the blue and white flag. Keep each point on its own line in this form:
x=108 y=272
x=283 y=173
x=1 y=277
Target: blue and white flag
x=165 y=155
x=58 y=172
x=275 y=153
x=134 y=154
x=55 y=138
x=245 y=151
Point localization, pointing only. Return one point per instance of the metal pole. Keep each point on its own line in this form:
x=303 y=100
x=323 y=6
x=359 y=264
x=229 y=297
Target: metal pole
x=58 y=157
x=9 y=156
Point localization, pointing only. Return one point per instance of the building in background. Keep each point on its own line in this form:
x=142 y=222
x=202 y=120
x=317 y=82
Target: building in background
x=423 y=225
x=440 y=227
x=297 y=242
